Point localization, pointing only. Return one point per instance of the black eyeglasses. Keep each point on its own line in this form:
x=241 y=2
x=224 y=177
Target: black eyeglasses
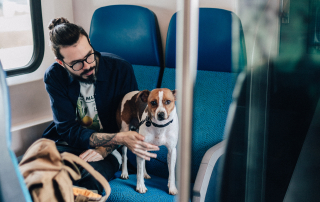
x=79 y=64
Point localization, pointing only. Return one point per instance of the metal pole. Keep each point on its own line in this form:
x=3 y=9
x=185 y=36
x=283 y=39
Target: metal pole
x=186 y=63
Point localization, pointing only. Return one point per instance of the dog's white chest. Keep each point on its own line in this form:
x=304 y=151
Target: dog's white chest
x=167 y=135
x=157 y=137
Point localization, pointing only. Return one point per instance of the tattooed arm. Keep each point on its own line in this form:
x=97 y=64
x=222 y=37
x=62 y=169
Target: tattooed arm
x=103 y=143
x=103 y=139
x=131 y=139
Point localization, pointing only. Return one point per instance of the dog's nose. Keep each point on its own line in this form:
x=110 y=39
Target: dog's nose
x=161 y=116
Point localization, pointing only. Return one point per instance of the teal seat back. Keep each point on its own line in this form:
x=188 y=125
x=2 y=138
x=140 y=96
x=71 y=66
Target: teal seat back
x=131 y=32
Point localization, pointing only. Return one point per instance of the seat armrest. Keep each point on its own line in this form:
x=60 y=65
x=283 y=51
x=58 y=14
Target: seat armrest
x=204 y=174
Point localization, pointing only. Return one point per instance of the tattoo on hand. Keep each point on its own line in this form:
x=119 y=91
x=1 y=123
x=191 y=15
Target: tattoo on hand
x=102 y=139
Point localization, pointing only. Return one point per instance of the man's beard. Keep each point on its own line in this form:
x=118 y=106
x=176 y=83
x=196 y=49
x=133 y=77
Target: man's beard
x=90 y=80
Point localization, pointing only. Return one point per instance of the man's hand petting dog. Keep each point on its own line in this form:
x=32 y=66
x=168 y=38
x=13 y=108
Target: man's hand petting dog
x=135 y=142
x=92 y=155
x=105 y=143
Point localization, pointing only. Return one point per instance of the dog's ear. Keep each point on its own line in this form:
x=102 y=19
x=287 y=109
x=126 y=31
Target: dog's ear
x=174 y=94
x=143 y=95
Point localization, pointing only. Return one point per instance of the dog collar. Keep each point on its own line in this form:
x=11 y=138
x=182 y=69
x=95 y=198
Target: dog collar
x=149 y=122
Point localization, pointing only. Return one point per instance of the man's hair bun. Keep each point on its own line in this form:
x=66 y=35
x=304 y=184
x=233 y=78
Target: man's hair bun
x=63 y=33
x=57 y=21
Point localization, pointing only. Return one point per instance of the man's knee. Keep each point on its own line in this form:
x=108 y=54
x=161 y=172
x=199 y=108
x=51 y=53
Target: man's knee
x=89 y=182
x=107 y=168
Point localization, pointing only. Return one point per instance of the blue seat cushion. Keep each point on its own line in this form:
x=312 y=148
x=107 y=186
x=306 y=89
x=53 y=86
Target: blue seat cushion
x=146 y=76
x=125 y=190
x=169 y=78
x=211 y=99
x=158 y=166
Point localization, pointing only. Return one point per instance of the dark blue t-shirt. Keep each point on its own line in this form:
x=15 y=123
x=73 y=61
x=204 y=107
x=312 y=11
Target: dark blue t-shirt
x=115 y=78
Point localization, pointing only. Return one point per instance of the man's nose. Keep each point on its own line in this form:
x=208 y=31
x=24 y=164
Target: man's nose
x=86 y=65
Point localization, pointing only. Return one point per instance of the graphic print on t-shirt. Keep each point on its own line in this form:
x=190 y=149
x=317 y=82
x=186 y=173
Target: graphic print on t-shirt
x=86 y=108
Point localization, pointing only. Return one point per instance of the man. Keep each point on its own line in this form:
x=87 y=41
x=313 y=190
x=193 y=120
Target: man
x=85 y=88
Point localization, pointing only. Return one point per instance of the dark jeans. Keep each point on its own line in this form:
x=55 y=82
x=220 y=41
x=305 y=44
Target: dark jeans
x=106 y=167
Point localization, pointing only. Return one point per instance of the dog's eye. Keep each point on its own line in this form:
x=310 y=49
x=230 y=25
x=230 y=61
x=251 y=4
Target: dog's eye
x=153 y=103
x=168 y=102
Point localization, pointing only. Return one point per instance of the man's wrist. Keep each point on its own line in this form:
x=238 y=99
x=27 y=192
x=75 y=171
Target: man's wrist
x=118 y=138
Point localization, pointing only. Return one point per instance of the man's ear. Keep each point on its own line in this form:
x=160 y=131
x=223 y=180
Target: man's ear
x=59 y=62
x=174 y=94
x=143 y=95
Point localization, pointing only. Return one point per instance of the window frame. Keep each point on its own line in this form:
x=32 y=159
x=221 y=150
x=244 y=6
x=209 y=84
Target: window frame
x=38 y=42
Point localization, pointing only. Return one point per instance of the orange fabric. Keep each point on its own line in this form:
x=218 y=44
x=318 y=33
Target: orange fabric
x=85 y=192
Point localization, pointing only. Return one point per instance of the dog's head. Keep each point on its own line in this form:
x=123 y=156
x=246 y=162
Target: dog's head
x=161 y=102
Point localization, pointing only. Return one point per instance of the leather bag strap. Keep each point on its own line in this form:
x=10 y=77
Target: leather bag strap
x=73 y=158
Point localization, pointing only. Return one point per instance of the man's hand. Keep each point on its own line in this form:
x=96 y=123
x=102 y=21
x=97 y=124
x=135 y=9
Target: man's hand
x=91 y=155
x=97 y=154
x=134 y=142
x=131 y=139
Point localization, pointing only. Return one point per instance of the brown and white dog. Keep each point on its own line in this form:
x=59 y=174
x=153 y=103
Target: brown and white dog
x=154 y=113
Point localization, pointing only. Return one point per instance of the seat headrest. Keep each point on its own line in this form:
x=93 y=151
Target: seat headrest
x=132 y=32
x=217 y=28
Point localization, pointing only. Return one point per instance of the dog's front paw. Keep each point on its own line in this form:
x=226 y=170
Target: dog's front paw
x=124 y=176
x=173 y=190
x=141 y=188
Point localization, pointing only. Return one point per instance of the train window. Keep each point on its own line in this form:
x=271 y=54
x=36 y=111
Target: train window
x=21 y=36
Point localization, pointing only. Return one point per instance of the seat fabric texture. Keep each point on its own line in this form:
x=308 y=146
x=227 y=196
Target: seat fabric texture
x=124 y=190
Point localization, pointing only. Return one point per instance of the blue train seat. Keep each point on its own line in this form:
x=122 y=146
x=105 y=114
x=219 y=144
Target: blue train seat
x=220 y=59
x=12 y=186
x=131 y=32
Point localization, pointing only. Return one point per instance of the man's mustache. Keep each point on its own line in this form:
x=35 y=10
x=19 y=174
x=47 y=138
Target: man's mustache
x=88 y=70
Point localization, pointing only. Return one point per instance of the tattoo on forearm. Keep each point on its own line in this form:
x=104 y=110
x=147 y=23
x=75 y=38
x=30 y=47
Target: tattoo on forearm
x=102 y=139
x=109 y=149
